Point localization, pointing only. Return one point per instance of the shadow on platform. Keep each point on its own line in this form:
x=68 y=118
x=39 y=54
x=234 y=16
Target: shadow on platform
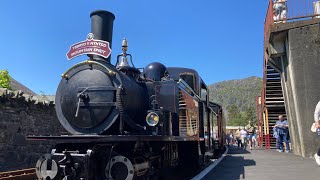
x=234 y=150
x=263 y=165
x=235 y=166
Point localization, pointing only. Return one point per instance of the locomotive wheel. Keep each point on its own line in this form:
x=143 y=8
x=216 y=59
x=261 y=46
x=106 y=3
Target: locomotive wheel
x=119 y=168
x=46 y=168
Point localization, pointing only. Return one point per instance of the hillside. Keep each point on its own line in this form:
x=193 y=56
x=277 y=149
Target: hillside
x=15 y=85
x=240 y=92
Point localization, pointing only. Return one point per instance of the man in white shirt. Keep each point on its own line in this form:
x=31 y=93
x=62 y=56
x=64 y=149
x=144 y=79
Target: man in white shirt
x=244 y=139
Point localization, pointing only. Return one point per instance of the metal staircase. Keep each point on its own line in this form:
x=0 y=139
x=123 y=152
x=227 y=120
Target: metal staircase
x=274 y=102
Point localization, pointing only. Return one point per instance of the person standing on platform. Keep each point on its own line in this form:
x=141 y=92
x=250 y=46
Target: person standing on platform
x=244 y=137
x=251 y=132
x=238 y=138
x=316 y=128
x=254 y=138
x=229 y=138
x=279 y=11
x=282 y=126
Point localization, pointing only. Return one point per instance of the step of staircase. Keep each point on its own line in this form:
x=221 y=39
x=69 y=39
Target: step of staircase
x=277 y=75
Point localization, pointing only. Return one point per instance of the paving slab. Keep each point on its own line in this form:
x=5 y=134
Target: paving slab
x=260 y=164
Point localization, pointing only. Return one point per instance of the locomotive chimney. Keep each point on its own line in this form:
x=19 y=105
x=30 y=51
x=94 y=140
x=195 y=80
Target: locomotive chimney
x=102 y=27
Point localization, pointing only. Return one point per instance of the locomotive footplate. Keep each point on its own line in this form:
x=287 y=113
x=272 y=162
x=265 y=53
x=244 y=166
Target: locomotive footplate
x=96 y=157
x=101 y=161
x=109 y=138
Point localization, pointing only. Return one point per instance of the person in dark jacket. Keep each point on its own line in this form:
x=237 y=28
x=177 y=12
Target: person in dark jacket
x=282 y=126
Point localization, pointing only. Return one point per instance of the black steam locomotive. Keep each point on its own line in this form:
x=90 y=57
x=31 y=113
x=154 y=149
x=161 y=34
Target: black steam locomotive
x=127 y=124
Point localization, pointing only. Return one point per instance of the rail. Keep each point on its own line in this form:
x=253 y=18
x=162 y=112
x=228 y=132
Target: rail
x=89 y=62
x=301 y=9
x=267 y=137
x=269 y=19
x=24 y=174
x=259 y=119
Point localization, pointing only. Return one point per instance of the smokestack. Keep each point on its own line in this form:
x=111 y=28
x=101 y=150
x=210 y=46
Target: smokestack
x=102 y=27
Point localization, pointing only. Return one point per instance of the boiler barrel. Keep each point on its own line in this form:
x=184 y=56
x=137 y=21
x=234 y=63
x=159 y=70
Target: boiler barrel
x=86 y=102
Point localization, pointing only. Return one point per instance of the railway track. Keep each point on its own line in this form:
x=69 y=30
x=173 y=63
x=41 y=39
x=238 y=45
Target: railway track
x=24 y=174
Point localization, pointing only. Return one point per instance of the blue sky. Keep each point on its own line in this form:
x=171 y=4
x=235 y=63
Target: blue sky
x=222 y=40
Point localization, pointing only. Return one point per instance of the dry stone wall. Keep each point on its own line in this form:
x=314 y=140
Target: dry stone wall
x=22 y=115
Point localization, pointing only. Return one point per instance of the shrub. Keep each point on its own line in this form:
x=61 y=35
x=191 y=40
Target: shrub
x=5 y=79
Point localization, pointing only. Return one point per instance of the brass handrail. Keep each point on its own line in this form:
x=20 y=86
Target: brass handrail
x=267 y=120
x=89 y=62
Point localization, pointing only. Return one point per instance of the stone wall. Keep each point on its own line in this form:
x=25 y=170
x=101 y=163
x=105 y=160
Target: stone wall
x=22 y=115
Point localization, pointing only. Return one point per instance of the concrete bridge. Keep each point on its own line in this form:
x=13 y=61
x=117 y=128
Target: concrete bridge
x=291 y=85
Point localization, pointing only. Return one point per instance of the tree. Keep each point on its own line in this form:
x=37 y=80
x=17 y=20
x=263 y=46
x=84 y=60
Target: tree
x=236 y=118
x=5 y=79
x=250 y=115
x=233 y=111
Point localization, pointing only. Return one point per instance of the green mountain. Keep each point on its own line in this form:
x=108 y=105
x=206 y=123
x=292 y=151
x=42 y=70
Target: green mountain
x=241 y=93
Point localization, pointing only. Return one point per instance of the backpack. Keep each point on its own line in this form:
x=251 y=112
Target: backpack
x=275 y=132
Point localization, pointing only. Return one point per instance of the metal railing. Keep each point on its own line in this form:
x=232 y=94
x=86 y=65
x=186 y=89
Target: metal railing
x=301 y=9
x=269 y=19
x=259 y=119
x=282 y=11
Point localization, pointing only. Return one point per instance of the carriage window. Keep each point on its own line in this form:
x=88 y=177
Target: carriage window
x=189 y=79
x=203 y=94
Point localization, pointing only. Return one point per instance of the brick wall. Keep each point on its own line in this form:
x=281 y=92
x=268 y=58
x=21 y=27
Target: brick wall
x=22 y=115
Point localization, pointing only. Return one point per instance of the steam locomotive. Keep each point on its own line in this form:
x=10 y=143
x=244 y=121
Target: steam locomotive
x=126 y=124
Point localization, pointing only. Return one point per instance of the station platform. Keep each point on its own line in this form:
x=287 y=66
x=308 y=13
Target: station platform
x=263 y=164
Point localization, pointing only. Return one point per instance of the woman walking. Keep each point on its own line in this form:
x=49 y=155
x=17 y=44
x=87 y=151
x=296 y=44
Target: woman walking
x=238 y=138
